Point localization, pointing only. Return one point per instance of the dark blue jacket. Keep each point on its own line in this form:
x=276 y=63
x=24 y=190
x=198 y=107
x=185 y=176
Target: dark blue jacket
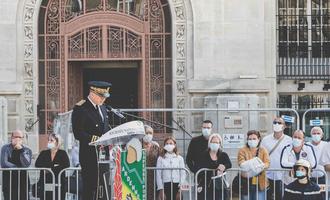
x=309 y=191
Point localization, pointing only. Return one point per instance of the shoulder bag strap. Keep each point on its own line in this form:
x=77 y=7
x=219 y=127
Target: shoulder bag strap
x=276 y=145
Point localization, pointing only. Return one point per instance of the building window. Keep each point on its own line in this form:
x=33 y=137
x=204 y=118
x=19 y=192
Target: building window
x=303 y=30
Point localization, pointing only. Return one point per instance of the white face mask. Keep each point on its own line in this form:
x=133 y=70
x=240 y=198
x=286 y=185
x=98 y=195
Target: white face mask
x=277 y=127
x=253 y=143
x=214 y=146
x=50 y=145
x=169 y=147
x=296 y=142
x=316 y=138
x=147 y=138
x=206 y=132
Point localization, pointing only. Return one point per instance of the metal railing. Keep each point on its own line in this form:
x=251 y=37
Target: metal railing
x=207 y=185
x=73 y=187
x=27 y=183
x=310 y=111
x=232 y=185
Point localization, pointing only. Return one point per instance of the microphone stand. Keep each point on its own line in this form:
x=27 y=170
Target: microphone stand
x=150 y=121
x=184 y=135
x=34 y=123
x=181 y=128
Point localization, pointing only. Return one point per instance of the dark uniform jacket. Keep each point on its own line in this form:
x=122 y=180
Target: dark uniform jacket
x=86 y=125
x=309 y=191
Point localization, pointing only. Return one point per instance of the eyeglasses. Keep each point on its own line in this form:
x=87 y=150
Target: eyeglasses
x=276 y=122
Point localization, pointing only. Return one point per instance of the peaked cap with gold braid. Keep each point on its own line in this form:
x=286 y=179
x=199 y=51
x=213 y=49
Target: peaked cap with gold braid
x=101 y=88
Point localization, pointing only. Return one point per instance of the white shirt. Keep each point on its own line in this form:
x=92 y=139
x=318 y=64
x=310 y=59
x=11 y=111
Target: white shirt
x=268 y=142
x=175 y=176
x=325 y=157
x=318 y=151
x=98 y=107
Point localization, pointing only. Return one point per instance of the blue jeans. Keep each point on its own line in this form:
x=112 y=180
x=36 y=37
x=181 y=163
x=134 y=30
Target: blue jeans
x=254 y=195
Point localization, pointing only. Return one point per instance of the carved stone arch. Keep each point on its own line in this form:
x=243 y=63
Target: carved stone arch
x=181 y=58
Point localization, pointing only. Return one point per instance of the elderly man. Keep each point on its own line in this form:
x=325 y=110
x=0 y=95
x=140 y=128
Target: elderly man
x=318 y=146
x=274 y=143
x=298 y=149
x=89 y=122
x=15 y=155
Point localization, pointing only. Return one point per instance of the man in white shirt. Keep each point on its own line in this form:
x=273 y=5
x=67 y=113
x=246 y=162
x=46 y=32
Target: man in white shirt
x=325 y=160
x=274 y=143
x=295 y=151
x=318 y=146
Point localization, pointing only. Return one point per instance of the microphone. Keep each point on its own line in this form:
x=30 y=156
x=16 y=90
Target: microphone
x=115 y=111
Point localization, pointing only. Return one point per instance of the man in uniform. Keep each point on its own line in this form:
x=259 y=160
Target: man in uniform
x=89 y=122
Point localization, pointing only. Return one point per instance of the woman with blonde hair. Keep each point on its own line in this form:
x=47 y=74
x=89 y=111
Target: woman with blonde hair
x=56 y=159
x=169 y=180
x=213 y=158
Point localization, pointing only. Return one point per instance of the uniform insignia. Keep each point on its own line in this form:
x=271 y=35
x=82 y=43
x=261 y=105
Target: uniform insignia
x=81 y=102
x=304 y=154
x=94 y=138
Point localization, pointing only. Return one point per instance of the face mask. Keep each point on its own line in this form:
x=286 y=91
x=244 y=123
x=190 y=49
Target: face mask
x=296 y=142
x=277 y=127
x=147 y=138
x=300 y=174
x=316 y=138
x=206 y=132
x=169 y=147
x=51 y=145
x=214 y=146
x=253 y=143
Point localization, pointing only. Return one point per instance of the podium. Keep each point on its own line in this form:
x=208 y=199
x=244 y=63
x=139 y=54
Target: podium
x=115 y=172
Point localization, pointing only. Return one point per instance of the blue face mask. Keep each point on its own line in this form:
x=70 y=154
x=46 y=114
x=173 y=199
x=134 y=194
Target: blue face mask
x=206 y=132
x=214 y=146
x=300 y=174
x=50 y=145
x=253 y=143
x=316 y=138
x=296 y=142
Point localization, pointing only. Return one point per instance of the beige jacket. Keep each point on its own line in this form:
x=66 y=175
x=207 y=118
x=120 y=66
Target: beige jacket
x=245 y=153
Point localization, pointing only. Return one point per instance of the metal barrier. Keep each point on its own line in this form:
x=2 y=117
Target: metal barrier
x=184 y=123
x=27 y=183
x=206 y=185
x=227 y=122
x=322 y=114
x=73 y=187
x=230 y=185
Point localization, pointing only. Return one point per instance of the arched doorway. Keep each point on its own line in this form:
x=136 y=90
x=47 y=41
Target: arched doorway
x=75 y=32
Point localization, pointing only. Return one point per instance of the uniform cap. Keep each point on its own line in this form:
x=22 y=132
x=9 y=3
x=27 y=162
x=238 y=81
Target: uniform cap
x=101 y=88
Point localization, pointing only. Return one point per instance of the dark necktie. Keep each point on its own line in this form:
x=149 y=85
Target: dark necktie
x=98 y=112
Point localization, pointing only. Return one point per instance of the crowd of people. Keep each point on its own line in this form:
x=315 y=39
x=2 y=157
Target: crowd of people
x=90 y=121
x=277 y=150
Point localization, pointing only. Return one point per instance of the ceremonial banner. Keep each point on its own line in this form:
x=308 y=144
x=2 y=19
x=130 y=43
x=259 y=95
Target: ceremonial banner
x=130 y=178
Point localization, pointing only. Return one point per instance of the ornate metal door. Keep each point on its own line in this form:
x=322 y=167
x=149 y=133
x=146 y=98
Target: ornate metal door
x=102 y=30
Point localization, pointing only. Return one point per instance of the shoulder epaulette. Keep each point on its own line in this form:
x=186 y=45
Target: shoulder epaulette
x=81 y=102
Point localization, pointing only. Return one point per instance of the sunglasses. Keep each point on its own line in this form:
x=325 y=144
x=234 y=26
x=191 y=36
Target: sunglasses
x=276 y=122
